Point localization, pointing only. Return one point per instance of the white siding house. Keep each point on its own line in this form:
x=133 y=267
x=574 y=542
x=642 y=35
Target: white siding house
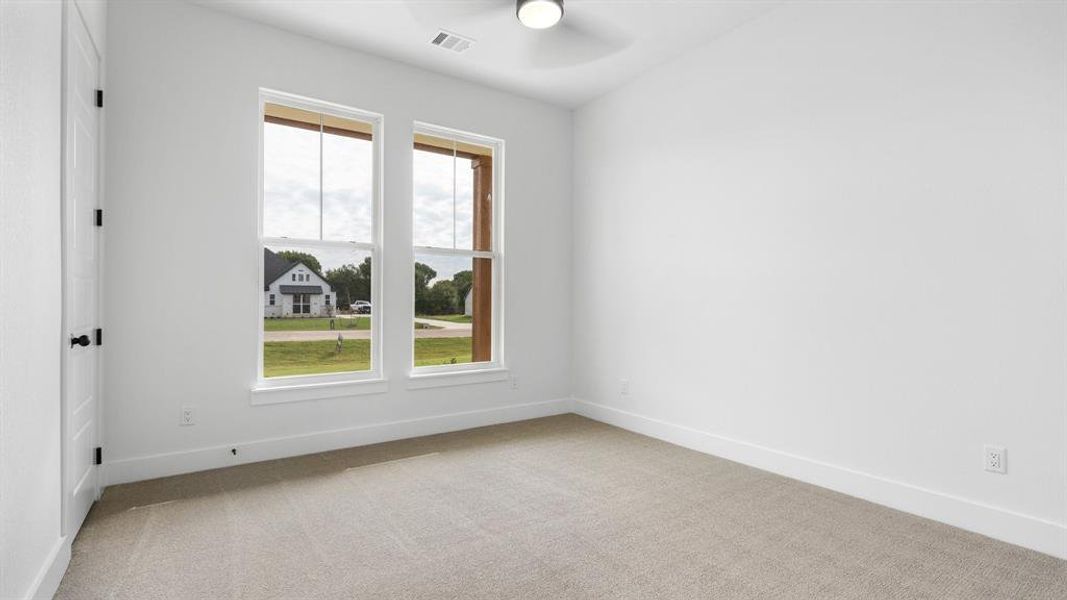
x=294 y=290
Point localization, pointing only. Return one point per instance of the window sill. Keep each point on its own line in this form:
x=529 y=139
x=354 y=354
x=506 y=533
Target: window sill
x=264 y=393
x=418 y=381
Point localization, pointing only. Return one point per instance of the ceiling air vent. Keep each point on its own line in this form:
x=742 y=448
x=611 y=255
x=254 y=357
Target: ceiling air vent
x=450 y=41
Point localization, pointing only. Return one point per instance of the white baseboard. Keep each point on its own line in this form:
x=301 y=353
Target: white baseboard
x=1015 y=528
x=51 y=574
x=201 y=459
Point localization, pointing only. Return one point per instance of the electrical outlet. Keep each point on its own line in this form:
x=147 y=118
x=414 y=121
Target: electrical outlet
x=624 y=387
x=514 y=383
x=996 y=459
x=188 y=416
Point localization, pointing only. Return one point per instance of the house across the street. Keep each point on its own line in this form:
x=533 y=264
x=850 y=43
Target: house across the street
x=294 y=290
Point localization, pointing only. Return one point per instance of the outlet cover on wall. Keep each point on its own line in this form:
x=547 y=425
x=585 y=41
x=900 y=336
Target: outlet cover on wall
x=996 y=459
x=624 y=387
x=188 y=416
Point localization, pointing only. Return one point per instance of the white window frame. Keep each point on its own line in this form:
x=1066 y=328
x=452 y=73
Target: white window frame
x=311 y=387
x=494 y=370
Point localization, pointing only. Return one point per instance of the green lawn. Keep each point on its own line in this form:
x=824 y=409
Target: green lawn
x=442 y=351
x=309 y=358
x=315 y=324
x=452 y=318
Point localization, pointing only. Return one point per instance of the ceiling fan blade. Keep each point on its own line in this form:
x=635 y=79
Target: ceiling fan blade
x=575 y=41
x=598 y=29
x=442 y=12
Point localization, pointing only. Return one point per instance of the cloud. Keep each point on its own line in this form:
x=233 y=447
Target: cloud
x=444 y=201
x=443 y=197
x=291 y=199
x=329 y=257
x=446 y=266
x=347 y=188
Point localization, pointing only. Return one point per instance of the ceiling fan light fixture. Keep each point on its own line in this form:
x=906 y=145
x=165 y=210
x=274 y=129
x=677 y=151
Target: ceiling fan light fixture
x=539 y=14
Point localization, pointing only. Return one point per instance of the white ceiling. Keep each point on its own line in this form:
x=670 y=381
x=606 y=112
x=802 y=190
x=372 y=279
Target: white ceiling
x=599 y=45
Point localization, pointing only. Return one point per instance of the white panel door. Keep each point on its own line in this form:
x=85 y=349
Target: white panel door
x=80 y=273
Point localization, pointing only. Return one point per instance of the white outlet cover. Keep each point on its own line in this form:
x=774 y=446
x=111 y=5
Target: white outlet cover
x=188 y=416
x=996 y=459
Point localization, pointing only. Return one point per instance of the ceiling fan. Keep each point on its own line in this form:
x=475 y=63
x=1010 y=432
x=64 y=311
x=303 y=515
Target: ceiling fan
x=547 y=38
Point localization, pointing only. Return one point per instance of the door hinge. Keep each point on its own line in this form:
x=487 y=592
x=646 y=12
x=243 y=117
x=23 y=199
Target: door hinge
x=100 y=98
x=99 y=459
x=99 y=337
x=99 y=216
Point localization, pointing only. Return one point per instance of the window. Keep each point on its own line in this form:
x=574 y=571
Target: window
x=321 y=242
x=457 y=250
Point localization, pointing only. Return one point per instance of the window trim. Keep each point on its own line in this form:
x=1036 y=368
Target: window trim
x=293 y=388
x=496 y=369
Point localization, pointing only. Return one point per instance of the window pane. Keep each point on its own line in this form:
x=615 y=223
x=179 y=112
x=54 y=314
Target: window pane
x=449 y=177
x=290 y=181
x=464 y=203
x=347 y=185
x=301 y=330
x=453 y=308
x=433 y=187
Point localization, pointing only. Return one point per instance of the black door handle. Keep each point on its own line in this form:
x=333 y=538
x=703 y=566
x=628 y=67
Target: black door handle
x=82 y=340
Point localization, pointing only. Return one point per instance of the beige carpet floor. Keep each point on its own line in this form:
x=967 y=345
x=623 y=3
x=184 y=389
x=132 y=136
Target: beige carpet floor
x=561 y=507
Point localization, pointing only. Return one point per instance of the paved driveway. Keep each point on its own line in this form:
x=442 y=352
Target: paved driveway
x=447 y=329
x=444 y=324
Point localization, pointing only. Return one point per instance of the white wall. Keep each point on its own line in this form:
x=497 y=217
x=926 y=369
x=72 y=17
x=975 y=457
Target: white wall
x=30 y=75
x=182 y=176
x=831 y=244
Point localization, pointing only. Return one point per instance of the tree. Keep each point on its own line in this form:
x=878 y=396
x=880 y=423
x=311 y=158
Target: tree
x=441 y=299
x=344 y=281
x=423 y=276
x=351 y=282
x=464 y=281
x=295 y=256
x=364 y=269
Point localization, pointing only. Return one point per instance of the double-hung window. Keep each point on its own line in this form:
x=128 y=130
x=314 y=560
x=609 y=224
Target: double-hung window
x=320 y=238
x=458 y=259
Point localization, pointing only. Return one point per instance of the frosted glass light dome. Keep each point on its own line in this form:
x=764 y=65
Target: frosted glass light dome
x=539 y=14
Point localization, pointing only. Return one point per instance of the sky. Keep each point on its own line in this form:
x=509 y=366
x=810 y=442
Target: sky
x=443 y=197
x=441 y=218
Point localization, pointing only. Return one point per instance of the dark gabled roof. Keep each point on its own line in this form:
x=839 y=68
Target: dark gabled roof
x=274 y=267
x=300 y=289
